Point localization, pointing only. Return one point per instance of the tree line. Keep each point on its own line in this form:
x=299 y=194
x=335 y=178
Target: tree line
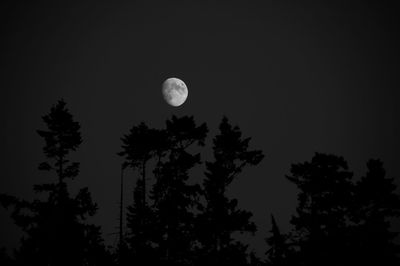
x=339 y=220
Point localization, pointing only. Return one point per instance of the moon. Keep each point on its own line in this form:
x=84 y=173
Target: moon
x=174 y=91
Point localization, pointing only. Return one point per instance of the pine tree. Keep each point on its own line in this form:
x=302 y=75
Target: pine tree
x=279 y=251
x=323 y=211
x=377 y=204
x=174 y=198
x=56 y=231
x=221 y=217
x=140 y=146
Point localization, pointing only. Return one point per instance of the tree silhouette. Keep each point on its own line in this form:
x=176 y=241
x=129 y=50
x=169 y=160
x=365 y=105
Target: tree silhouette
x=139 y=147
x=342 y=222
x=56 y=231
x=323 y=209
x=279 y=253
x=376 y=205
x=121 y=251
x=221 y=216
x=174 y=198
x=175 y=221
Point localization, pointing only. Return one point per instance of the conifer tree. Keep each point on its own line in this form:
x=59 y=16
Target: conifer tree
x=56 y=231
x=139 y=147
x=377 y=204
x=279 y=252
x=174 y=198
x=323 y=210
x=221 y=216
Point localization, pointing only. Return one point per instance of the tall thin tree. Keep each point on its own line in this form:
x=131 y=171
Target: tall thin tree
x=57 y=232
x=174 y=198
x=221 y=216
x=279 y=251
x=139 y=147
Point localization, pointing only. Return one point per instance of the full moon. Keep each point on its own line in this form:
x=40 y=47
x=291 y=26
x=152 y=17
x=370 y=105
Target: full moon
x=174 y=91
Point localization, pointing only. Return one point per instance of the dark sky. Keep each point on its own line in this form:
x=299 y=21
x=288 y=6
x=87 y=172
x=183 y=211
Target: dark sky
x=298 y=77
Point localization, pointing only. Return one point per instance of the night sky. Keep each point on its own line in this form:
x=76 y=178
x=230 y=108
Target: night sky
x=298 y=78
